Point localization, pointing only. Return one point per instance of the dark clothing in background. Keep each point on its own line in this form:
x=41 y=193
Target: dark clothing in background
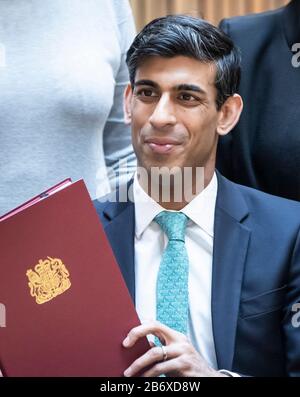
x=263 y=151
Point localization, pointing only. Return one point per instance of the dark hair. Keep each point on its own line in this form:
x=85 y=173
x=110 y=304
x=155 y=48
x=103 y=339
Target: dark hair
x=175 y=35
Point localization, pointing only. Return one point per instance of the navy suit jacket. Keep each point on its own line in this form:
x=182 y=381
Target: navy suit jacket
x=255 y=277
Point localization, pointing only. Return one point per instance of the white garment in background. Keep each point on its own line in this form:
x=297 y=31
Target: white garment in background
x=62 y=83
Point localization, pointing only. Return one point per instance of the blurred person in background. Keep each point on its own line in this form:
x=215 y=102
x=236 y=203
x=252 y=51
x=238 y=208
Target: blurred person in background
x=62 y=78
x=263 y=150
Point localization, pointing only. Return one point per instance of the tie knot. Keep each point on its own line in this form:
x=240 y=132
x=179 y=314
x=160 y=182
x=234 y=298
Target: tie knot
x=173 y=224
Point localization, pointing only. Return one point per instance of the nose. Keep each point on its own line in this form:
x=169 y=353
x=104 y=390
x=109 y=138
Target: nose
x=163 y=114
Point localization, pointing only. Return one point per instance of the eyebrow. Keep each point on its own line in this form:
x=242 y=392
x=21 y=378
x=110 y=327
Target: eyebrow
x=146 y=82
x=190 y=87
x=180 y=87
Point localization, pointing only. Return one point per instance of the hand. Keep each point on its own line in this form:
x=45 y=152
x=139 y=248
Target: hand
x=178 y=357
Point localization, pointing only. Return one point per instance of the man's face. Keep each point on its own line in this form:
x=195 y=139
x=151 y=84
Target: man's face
x=173 y=113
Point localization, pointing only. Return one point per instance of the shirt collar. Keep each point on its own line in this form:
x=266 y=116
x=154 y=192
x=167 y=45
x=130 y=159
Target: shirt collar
x=201 y=210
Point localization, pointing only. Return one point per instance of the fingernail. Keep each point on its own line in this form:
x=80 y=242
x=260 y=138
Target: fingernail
x=127 y=372
x=126 y=342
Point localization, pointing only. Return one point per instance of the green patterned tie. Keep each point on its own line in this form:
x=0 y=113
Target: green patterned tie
x=172 y=300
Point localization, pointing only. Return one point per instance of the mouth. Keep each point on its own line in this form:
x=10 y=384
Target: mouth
x=162 y=145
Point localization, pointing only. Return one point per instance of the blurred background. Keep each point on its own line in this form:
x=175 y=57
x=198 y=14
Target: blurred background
x=211 y=10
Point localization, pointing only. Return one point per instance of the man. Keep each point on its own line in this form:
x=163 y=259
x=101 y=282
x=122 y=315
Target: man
x=219 y=272
x=263 y=151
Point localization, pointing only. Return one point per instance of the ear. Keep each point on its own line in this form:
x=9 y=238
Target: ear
x=127 y=104
x=229 y=114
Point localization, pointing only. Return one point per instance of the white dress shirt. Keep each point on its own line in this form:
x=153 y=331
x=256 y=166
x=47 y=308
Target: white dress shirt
x=150 y=242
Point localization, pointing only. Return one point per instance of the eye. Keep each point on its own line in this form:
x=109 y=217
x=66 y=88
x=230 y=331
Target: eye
x=184 y=96
x=146 y=92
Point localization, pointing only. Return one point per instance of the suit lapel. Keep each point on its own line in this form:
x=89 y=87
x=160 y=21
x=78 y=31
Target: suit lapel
x=120 y=230
x=230 y=249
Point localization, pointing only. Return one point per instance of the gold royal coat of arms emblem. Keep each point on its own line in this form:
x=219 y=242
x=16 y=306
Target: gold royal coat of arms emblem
x=49 y=278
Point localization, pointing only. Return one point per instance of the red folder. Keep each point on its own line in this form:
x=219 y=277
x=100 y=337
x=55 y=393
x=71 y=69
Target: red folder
x=67 y=308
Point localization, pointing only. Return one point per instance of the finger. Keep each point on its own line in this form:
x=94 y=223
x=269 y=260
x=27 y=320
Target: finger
x=142 y=331
x=163 y=332
x=151 y=356
x=168 y=367
x=154 y=355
